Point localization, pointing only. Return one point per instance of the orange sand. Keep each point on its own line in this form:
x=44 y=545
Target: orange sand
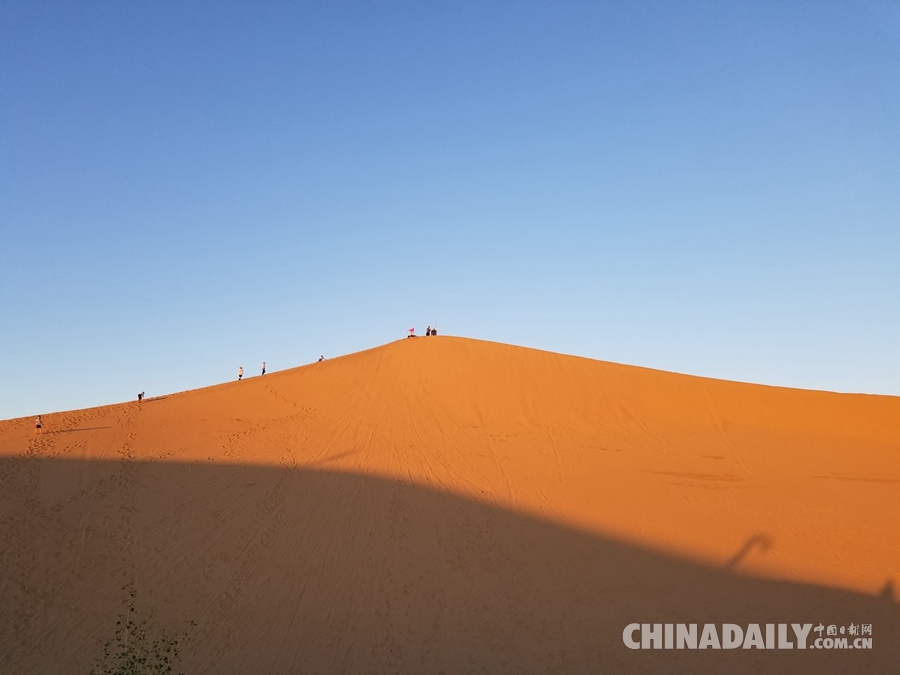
x=337 y=517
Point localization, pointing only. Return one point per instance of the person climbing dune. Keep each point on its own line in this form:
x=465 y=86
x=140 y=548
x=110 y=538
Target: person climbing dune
x=38 y=425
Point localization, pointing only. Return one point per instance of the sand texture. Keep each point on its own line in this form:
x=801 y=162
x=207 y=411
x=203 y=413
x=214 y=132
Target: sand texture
x=445 y=505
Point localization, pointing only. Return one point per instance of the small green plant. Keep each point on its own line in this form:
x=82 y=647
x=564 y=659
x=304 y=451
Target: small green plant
x=138 y=648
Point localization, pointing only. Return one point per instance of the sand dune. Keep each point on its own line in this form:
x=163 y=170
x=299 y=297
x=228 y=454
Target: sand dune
x=451 y=505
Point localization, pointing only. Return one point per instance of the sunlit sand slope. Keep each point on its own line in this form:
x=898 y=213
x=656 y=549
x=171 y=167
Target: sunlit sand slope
x=451 y=505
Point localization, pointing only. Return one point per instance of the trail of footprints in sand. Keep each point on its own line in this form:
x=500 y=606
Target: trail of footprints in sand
x=127 y=498
x=118 y=486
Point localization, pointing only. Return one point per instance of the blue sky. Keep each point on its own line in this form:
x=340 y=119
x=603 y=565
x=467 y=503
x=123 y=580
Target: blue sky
x=711 y=188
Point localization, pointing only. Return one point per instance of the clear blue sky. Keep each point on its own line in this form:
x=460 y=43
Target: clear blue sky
x=186 y=187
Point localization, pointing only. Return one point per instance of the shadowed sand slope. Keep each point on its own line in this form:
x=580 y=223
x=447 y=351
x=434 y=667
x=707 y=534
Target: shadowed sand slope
x=447 y=505
x=304 y=571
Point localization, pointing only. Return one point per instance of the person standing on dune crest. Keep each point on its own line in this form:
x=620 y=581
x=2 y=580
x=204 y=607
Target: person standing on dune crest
x=264 y=368
x=240 y=372
x=38 y=425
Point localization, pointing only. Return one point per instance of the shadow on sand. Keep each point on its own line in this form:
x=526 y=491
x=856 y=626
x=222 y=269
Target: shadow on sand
x=72 y=431
x=301 y=571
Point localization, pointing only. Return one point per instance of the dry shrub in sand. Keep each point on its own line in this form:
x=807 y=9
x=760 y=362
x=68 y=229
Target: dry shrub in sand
x=139 y=647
